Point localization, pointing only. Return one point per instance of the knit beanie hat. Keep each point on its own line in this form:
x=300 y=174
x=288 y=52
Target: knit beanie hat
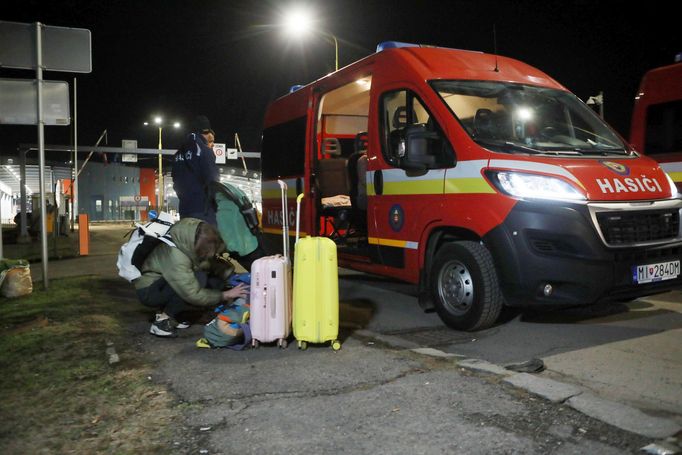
x=200 y=124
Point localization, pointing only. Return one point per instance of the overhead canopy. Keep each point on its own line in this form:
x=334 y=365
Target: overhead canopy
x=10 y=177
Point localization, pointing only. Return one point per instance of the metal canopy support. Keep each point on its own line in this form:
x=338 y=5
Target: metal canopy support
x=41 y=151
x=23 y=235
x=106 y=149
x=74 y=182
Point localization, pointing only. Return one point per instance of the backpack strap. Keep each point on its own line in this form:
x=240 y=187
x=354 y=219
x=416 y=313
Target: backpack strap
x=246 y=328
x=243 y=203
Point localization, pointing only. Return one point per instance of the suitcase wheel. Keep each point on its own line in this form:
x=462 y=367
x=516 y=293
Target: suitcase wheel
x=282 y=343
x=336 y=345
x=302 y=345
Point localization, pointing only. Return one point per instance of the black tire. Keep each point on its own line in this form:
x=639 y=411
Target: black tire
x=464 y=286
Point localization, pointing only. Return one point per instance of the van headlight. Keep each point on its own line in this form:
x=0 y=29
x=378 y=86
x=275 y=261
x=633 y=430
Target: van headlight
x=673 y=188
x=534 y=186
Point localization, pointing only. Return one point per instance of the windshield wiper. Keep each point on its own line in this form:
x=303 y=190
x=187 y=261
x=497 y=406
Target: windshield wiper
x=554 y=151
x=509 y=146
x=602 y=151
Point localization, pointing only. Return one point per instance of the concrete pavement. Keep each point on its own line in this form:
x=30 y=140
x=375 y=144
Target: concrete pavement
x=105 y=240
x=366 y=398
x=640 y=370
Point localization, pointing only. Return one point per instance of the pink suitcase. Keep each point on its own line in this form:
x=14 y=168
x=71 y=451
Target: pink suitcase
x=271 y=291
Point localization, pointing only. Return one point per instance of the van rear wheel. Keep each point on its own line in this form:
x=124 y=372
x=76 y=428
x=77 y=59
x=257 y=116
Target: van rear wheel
x=464 y=286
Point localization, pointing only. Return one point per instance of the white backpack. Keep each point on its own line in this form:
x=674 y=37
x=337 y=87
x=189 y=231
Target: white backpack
x=142 y=241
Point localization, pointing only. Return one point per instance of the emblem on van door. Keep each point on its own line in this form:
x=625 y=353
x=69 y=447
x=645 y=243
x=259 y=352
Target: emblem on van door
x=396 y=217
x=618 y=168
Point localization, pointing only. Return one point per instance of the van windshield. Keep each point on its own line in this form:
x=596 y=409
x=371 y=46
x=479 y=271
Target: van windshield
x=516 y=118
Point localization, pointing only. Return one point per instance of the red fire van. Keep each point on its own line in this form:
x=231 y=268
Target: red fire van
x=475 y=176
x=657 y=118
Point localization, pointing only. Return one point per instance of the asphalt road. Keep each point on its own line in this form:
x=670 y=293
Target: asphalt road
x=377 y=395
x=630 y=352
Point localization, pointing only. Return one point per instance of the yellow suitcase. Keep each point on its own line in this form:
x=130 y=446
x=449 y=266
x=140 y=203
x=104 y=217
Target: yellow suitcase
x=316 y=290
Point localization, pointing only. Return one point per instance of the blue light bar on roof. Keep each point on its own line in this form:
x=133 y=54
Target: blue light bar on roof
x=394 y=45
x=295 y=87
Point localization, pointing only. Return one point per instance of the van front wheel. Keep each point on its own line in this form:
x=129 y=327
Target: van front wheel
x=464 y=286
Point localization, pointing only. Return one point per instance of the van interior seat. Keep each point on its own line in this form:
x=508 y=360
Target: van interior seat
x=397 y=134
x=333 y=189
x=332 y=177
x=357 y=168
x=484 y=126
x=332 y=146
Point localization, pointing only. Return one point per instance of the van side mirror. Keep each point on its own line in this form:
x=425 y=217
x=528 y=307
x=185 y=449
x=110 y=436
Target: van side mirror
x=418 y=154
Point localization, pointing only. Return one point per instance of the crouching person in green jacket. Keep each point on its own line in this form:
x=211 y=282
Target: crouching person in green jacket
x=176 y=278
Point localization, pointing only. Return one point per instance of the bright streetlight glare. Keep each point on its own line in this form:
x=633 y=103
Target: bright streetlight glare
x=524 y=114
x=158 y=120
x=146 y=123
x=176 y=125
x=298 y=22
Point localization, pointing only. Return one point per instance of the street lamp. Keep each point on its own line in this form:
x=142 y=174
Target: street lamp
x=299 y=22
x=158 y=121
x=597 y=100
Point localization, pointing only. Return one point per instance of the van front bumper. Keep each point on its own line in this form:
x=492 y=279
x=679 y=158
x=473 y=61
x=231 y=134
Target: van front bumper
x=563 y=245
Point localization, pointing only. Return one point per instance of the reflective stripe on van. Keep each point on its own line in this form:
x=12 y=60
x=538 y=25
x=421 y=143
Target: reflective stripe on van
x=674 y=170
x=393 y=242
x=466 y=178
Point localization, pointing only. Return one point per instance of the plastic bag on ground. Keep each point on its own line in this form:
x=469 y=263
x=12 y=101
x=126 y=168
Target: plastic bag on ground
x=15 y=278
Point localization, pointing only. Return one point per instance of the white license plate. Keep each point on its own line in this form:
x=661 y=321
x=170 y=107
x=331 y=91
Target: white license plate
x=655 y=272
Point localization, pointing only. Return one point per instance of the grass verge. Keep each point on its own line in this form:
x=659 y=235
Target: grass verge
x=59 y=392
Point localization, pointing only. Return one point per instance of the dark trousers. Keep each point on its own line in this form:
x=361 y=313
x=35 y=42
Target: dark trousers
x=161 y=296
x=247 y=260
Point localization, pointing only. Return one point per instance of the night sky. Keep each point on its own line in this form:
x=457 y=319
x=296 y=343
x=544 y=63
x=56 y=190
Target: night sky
x=228 y=59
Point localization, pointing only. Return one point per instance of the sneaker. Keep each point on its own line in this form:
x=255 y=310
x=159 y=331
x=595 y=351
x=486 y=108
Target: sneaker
x=183 y=325
x=162 y=328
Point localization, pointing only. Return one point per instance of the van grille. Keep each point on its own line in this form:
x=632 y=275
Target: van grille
x=625 y=228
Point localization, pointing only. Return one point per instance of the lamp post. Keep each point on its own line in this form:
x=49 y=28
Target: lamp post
x=158 y=121
x=299 y=22
x=597 y=101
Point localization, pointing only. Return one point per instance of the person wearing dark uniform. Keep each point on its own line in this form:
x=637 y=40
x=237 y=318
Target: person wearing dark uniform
x=194 y=168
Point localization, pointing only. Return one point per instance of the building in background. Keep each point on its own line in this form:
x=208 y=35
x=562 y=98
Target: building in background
x=106 y=192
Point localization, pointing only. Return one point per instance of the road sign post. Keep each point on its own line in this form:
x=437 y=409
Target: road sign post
x=39 y=47
x=219 y=151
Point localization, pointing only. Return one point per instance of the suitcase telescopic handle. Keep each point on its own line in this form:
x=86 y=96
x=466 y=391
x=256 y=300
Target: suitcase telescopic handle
x=285 y=219
x=298 y=216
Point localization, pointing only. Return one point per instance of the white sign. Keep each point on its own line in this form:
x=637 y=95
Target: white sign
x=63 y=48
x=129 y=145
x=134 y=201
x=219 y=151
x=19 y=98
x=232 y=154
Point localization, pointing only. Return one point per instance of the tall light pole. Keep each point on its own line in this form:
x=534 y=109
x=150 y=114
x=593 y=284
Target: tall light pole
x=158 y=121
x=299 y=22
